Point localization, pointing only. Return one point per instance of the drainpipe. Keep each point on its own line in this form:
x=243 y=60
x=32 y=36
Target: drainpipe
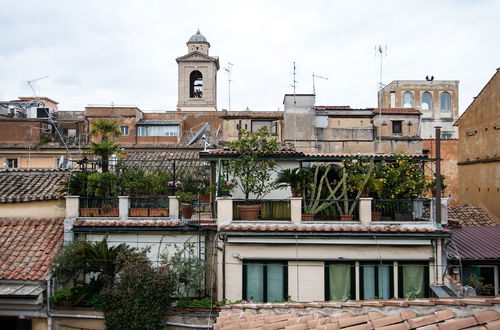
x=438 y=176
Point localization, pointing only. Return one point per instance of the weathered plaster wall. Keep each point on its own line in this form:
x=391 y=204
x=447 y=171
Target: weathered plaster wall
x=33 y=210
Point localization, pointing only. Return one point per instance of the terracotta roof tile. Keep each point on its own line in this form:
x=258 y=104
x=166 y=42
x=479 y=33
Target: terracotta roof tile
x=470 y=215
x=127 y=223
x=397 y=111
x=28 y=247
x=289 y=227
x=332 y=107
x=308 y=317
x=24 y=185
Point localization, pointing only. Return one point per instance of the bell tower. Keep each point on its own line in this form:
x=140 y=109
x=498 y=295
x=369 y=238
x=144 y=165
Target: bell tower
x=197 y=80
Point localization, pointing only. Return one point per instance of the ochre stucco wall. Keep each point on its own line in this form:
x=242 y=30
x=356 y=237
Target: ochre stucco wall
x=479 y=149
x=33 y=210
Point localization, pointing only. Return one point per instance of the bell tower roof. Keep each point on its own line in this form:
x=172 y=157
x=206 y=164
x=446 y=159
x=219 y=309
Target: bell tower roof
x=197 y=38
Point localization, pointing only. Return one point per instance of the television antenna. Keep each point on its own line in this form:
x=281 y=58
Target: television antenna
x=381 y=50
x=317 y=76
x=37 y=98
x=229 y=70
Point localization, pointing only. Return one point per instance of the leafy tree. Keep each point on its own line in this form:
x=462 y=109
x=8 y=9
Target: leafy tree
x=106 y=131
x=252 y=175
x=141 y=298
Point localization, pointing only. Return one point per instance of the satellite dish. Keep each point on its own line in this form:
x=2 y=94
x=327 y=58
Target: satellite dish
x=199 y=134
x=60 y=164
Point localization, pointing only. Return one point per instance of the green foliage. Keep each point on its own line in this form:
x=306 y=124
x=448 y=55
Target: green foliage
x=141 y=298
x=80 y=257
x=295 y=178
x=188 y=270
x=86 y=294
x=76 y=184
x=403 y=178
x=103 y=184
x=253 y=175
x=106 y=130
x=184 y=197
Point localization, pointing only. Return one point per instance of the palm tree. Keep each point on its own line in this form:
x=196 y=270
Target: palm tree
x=106 y=130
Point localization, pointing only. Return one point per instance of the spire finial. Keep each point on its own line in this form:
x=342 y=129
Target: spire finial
x=198 y=32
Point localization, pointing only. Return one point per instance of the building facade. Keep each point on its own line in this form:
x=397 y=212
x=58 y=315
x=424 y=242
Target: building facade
x=436 y=99
x=479 y=149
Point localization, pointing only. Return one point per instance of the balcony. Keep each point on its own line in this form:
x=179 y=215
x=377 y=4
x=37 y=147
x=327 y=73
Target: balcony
x=410 y=212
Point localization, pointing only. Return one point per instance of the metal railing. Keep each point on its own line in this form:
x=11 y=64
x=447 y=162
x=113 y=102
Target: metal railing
x=99 y=207
x=335 y=208
x=271 y=209
x=149 y=206
x=403 y=209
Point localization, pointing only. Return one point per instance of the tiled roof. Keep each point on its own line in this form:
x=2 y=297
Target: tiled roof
x=332 y=107
x=325 y=228
x=397 y=111
x=470 y=215
x=23 y=185
x=360 y=315
x=477 y=243
x=127 y=223
x=28 y=247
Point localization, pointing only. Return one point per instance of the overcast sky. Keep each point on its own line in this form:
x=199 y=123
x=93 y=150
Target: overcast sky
x=98 y=52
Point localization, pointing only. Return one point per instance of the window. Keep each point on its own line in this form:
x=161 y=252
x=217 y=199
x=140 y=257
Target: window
x=11 y=163
x=445 y=101
x=265 y=281
x=124 y=130
x=196 y=85
x=392 y=97
x=413 y=280
x=446 y=135
x=340 y=281
x=407 y=100
x=397 y=127
x=482 y=278
x=271 y=126
x=71 y=132
x=376 y=281
x=426 y=101
x=158 y=130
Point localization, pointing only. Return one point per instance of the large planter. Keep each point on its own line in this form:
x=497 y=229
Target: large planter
x=110 y=212
x=296 y=193
x=249 y=212
x=138 y=212
x=89 y=212
x=187 y=211
x=376 y=216
x=346 y=217
x=307 y=217
x=159 y=212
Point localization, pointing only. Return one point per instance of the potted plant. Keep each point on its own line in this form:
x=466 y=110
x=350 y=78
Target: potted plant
x=185 y=199
x=226 y=188
x=294 y=178
x=252 y=168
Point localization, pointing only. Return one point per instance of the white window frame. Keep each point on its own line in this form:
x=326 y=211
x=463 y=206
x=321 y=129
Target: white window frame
x=124 y=128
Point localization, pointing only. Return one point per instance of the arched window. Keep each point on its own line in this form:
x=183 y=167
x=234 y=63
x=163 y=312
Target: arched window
x=196 y=85
x=426 y=101
x=408 y=100
x=445 y=101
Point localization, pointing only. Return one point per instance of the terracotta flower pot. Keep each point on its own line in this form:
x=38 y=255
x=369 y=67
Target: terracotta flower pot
x=159 y=212
x=138 y=212
x=187 y=211
x=346 y=217
x=249 y=212
x=112 y=212
x=89 y=212
x=376 y=216
x=307 y=217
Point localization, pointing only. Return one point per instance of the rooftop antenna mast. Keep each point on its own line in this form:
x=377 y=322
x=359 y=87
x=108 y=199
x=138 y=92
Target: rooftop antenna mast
x=381 y=50
x=317 y=76
x=229 y=70
x=294 y=83
x=50 y=117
